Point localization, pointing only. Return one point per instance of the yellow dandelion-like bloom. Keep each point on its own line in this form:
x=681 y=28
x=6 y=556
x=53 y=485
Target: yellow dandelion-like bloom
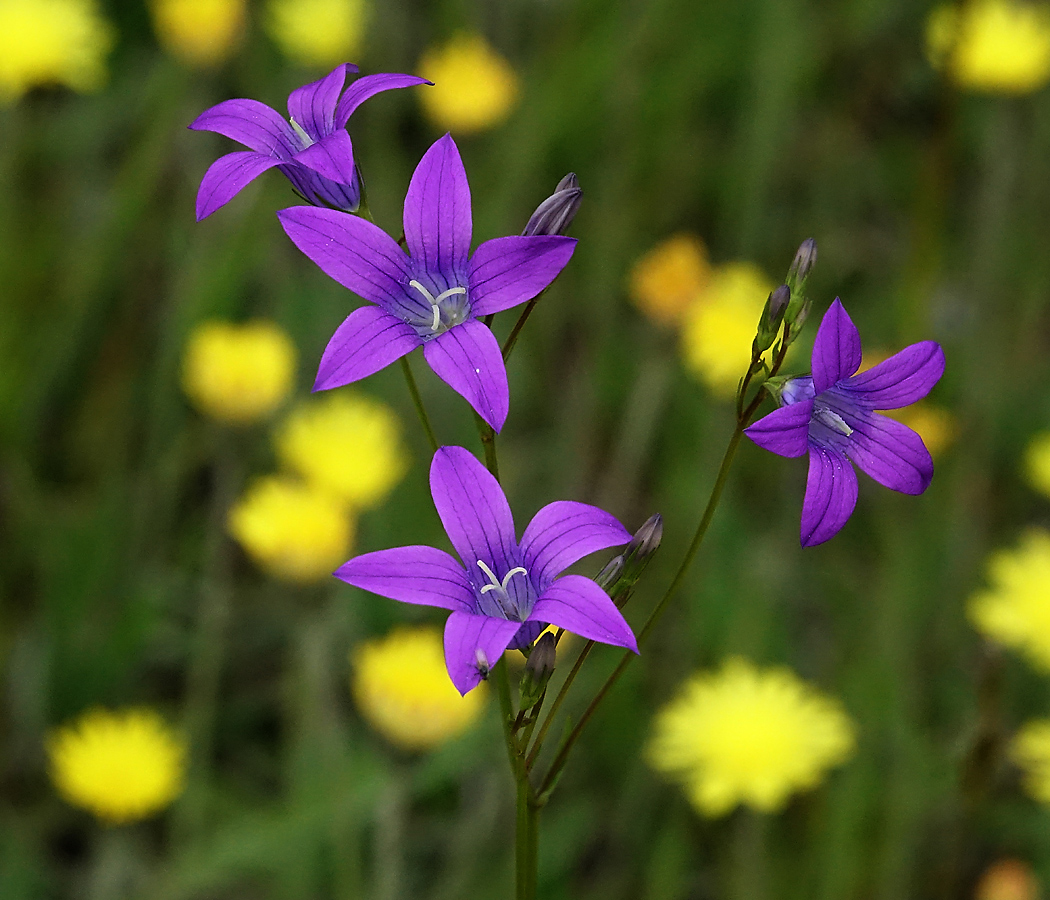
x=1008 y=879
x=317 y=32
x=122 y=765
x=238 y=373
x=345 y=444
x=1015 y=609
x=44 y=42
x=997 y=46
x=402 y=688
x=744 y=735
x=474 y=87
x=667 y=279
x=1037 y=463
x=719 y=327
x=293 y=531
x=1030 y=750
x=199 y=32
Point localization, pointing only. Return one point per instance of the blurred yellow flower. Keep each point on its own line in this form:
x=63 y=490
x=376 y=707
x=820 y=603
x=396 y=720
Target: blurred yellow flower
x=45 y=42
x=317 y=32
x=199 y=32
x=474 y=87
x=238 y=373
x=517 y=659
x=1037 y=463
x=1030 y=749
x=345 y=444
x=1008 y=879
x=745 y=735
x=294 y=532
x=122 y=766
x=402 y=688
x=719 y=327
x=1015 y=609
x=998 y=46
x=669 y=277
x=934 y=424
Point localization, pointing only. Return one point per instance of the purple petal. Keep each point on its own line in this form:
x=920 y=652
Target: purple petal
x=423 y=575
x=472 y=640
x=251 y=123
x=468 y=359
x=437 y=213
x=891 y=453
x=227 y=176
x=367 y=341
x=836 y=349
x=369 y=86
x=784 y=431
x=579 y=605
x=510 y=270
x=831 y=495
x=902 y=379
x=332 y=157
x=313 y=105
x=564 y=532
x=473 y=509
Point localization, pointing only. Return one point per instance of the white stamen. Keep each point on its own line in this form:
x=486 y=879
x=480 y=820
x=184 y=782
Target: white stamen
x=436 y=301
x=834 y=421
x=303 y=136
x=437 y=318
x=449 y=293
x=423 y=291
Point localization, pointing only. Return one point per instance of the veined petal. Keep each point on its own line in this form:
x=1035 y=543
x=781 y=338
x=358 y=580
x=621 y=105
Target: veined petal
x=467 y=358
x=419 y=574
x=473 y=641
x=507 y=271
x=313 y=105
x=368 y=340
x=251 y=123
x=785 y=430
x=227 y=176
x=332 y=157
x=580 y=606
x=565 y=532
x=900 y=380
x=368 y=86
x=437 y=212
x=891 y=453
x=831 y=495
x=836 y=349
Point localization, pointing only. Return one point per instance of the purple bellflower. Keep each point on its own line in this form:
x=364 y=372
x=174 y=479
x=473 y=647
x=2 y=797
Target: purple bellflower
x=432 y=296
x=831 y=414
x=312 y=149
x=506 y=592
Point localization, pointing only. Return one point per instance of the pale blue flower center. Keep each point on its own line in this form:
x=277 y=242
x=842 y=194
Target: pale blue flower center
x=448 y=308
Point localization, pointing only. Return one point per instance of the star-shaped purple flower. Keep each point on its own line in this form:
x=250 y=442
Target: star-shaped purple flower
x=506 y=592
x=432 y=296
x=831 y=414
x=313 y=149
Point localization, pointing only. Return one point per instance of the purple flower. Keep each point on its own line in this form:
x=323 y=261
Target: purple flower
x=433 y=297
x=832 y=415
x=506 y=592
x=313 y=149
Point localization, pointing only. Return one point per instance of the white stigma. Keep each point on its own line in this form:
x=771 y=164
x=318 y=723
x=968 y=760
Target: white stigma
x=834 y=421
x=496 y=584
x=303 y=136
x=435 y=302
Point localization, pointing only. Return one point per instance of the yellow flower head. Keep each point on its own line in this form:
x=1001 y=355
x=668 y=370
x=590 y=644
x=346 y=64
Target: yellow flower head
x=1030 y=749
x=317 y=32
x=402 y=688
x=1037 y=463
x=1015 y=609
x=934 y=424
x=52 y=42
x=293 y=531
x=669 y=277
x=474 y=87
x=998 y=46
x=238 y=373
x=1008 y=879
x=121 y=766
x=199 y=32
x=719 y=327
x=345 y=444
x=743 y=735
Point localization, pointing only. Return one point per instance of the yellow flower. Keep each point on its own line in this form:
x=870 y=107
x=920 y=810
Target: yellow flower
x=1030 y=749
x=122 y=766
x=934 y=424
x=517 y=659
x=52 y=42
x=345 y=444
x=1008 y=879
x=402 y=688
x=1037 y=463
x=294 y=532
x=719 y=327
x=1015 y=609
x=238 y=373
x=317 y=32
x=998 y=46
x=669 y=277
x=474 y=87
x=199 y=32
x=743 y=735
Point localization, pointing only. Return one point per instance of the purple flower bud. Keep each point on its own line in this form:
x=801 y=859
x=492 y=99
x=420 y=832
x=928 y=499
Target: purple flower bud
x=646 y=540
x=555 y=214
x=538 y=670
x=778 y=302
x=805 y=259
x=610 y=573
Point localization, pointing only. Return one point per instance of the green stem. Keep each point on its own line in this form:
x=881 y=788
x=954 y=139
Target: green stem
x=418 y=402
x=556 y=705
x=488 y=442
x=512 y=338
x=527 y=841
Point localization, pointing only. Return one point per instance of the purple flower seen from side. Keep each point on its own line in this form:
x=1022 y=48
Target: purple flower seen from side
x=312 y=148
x=507 y=591
x=831 y=415
x=432 y=296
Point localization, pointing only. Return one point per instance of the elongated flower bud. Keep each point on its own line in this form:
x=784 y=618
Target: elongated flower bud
x=645 y=543
x=798 y=308
x=805 y=259
x=555 y=214
x=772 y=317
x=538 y=670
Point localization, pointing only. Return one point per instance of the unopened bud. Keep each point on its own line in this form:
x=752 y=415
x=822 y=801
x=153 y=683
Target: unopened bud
x=611 y=573
x=804 y=261
x=555 y=214
x=538 y=670
x=772 y=316
x=646 y=541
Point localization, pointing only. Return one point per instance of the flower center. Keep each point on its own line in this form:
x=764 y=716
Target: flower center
x=454 y=313
x=499 y=589
x=304 y=138
x=832 y=420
